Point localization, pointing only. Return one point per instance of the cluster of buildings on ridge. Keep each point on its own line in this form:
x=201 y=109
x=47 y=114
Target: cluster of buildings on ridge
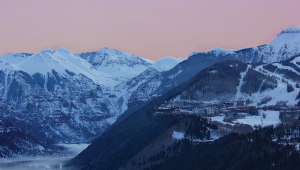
x=226 y=108
x=208 y=110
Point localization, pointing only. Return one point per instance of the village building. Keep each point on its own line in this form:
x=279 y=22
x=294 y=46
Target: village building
x=207 y=111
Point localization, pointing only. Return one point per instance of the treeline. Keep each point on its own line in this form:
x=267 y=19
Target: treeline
x=219 y=80
x=198 y=129
x=252 y=151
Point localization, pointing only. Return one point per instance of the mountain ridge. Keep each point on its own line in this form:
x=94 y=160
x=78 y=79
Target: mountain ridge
x=283 y=47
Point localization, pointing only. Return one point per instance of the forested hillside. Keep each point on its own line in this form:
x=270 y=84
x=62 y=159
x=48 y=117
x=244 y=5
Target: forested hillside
x=252 y=151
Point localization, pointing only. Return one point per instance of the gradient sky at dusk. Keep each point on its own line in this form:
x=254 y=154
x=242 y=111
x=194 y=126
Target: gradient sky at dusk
x=148 y=28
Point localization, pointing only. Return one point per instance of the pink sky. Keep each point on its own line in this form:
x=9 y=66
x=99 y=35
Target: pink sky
x=148 y=28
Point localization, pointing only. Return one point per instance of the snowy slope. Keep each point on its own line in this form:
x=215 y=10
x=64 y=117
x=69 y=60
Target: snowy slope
x=14 y=58
x=272 y=118
x=284 y=46
x=166 y=63
x=60 y=61
x=280 y=93
x=259 y=84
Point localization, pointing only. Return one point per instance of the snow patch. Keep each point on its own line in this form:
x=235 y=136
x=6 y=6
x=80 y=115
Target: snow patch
x=111 y=120
x=213 y=71
x=178 y=135
x=272 y=118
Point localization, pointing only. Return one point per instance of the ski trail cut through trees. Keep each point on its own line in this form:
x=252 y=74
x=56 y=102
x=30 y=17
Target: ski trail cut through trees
x=238 y=91
x=261 y=85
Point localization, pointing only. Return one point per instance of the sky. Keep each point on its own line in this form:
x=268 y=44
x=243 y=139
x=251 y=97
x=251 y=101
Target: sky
x=150 y=29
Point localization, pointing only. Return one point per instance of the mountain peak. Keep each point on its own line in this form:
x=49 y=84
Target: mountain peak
x=62 y=49
x=112 y=52
x=290 y=30
x=107 y=50
x=218 y=51
x=193 y=53
x=49 y=50
x=166 y=63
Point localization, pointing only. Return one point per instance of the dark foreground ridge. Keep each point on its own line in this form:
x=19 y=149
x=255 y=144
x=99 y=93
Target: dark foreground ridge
x=234 y=151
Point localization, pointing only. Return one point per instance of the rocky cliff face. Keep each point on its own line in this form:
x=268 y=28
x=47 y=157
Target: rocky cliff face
x=62 y=95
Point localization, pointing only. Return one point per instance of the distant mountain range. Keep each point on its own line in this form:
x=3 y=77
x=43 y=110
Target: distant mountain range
x=152 y=83
x=75 y=97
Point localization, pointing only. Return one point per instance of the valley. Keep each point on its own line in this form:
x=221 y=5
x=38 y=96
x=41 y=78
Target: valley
x=45 y=162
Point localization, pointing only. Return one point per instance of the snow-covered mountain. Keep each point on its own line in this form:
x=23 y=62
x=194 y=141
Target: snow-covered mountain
x=255 y=84
x=115 y=63
x=69 y=97
x=14 y=58
x=284 y=46
x=65 y=96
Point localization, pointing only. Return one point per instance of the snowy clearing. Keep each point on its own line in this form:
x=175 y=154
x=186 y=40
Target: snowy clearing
x=178 y=135
x=272 y=118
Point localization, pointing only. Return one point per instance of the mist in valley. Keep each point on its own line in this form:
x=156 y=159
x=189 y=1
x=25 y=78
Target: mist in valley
x=43 y=162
